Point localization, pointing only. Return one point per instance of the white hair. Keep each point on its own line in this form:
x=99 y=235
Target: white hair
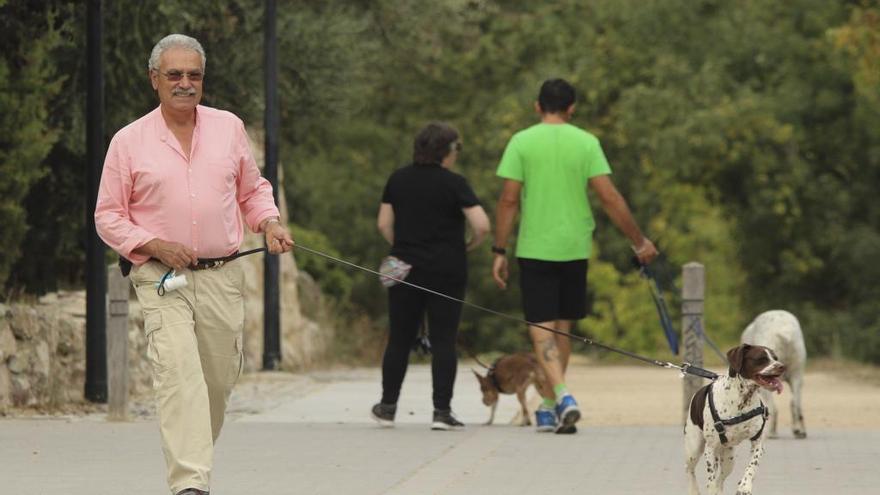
x=175 y=41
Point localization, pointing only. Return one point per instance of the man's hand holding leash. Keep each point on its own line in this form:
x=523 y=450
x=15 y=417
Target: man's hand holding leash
x=645 y=251
x=278 y=239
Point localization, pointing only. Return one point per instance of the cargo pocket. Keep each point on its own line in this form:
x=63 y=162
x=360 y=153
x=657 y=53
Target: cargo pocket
x=237 y=365
x=157 y=351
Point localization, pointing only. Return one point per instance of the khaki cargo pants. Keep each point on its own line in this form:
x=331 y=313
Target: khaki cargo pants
x=194 y=344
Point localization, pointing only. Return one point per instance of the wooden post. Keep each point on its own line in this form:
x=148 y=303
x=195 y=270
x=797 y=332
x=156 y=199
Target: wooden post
x=117 y=344
x=692 y=294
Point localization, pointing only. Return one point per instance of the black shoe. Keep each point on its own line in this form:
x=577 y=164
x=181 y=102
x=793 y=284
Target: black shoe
x=445 y=420
x=384 y=413
x=192 y=491
x=566 y=429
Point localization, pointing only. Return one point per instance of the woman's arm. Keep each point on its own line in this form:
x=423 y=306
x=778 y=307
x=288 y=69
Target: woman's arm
x=385 y=222
x=479 y=222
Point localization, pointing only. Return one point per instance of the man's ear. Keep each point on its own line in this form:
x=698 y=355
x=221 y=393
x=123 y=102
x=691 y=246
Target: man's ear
x=570 y=110
x=735 y=357
x=154 y=76
x=538 y=108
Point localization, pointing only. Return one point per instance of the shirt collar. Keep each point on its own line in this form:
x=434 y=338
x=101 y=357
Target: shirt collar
x=162 y=127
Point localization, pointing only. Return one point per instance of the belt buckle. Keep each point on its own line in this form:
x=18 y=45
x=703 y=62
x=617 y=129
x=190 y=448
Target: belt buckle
x=204 y=265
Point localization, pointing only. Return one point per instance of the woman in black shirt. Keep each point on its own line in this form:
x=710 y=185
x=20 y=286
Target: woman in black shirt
x=422 y=215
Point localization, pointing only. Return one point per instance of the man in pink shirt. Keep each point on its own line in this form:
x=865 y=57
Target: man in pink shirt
x=177 y=185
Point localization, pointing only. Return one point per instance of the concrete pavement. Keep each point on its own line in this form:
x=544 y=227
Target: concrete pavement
x=314 y=437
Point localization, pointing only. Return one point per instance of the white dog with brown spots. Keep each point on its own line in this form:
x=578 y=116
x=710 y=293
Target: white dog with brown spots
x=780 y=330
x=729 y=411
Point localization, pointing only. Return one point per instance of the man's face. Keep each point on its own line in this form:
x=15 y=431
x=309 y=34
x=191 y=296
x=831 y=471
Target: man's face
x=182 y=64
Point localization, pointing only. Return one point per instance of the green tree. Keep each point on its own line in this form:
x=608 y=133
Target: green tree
x=29 y=32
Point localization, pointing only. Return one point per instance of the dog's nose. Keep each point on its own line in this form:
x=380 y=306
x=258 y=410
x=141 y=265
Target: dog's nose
x=780 y=367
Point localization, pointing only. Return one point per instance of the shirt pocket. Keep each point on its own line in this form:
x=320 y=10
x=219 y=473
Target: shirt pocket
x=221 y=176
x=149 y=180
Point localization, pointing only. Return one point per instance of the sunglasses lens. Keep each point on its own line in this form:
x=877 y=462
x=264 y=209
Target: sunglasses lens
x=177 y=76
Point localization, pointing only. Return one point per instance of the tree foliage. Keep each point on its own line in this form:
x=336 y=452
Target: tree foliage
x=29 y=80
x=745 y=135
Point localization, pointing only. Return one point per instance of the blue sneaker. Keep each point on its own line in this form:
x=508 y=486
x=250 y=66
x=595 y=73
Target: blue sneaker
x=545 y=419
x=568 y=412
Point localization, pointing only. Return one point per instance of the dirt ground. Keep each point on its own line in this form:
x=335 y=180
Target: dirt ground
x=835 y=395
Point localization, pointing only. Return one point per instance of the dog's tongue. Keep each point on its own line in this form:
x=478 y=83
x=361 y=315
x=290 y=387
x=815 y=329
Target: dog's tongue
x=776 y=384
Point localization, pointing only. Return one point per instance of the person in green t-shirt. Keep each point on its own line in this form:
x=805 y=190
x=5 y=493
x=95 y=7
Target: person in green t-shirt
x=546 y=170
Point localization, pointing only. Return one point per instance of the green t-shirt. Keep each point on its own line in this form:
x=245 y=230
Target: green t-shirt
x=554 y=163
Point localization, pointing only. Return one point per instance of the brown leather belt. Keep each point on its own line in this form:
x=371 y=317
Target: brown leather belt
x=205 y=263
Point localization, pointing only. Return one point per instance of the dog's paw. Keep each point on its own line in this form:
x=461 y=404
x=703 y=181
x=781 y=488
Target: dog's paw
x=800 y=434
x=744 y=493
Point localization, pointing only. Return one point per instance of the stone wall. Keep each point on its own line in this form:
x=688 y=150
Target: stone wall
x=42 y=343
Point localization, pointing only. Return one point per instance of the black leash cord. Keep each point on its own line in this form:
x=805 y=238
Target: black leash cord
x=684 y=368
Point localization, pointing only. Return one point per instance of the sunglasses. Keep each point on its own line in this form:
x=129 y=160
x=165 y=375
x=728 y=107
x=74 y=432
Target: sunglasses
x=176 y=75
x=457 y=146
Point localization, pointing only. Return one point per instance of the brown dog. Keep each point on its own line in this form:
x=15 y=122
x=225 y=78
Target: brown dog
x=512 y=374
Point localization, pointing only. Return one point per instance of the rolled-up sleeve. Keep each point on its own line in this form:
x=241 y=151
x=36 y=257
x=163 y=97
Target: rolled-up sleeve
x=112 y=219
x=254 y=191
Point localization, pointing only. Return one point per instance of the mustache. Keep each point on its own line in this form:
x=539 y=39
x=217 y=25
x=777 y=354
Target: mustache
x=184 y=92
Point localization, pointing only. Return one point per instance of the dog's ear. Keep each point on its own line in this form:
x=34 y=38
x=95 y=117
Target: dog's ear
x=479 y=376
x=736 y=357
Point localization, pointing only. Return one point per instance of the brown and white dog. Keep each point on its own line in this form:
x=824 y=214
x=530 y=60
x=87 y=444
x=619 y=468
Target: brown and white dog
x=512 y=374
x=781 y=331
x=729 y=411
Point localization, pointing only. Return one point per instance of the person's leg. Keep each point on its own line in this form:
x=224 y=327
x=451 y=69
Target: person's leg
x=572 y=277
x=572 y=303
x=443 y=319
x=563 y=343
x=406 y=307
x=181 y=393
x=547 y=351
x=540 y=298
x=219 y=316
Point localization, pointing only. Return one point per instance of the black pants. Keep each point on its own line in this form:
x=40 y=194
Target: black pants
x=407 y=308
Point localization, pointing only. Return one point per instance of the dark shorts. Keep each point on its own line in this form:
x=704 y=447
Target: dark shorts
x=553 y=290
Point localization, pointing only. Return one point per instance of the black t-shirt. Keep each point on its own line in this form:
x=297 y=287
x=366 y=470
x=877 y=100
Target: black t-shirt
x=429 y=225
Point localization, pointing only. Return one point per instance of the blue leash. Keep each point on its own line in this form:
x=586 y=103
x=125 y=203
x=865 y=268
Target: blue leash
x=660 y=304
x=666 y=321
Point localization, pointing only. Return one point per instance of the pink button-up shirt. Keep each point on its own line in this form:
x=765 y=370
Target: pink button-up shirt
x=150 y=189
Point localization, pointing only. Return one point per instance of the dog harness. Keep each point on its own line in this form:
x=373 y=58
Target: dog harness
x=721 y=423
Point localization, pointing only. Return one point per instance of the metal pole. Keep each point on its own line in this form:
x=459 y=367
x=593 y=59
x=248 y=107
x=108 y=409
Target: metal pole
x=271 y=323
x=693 y=291
x=96 y=271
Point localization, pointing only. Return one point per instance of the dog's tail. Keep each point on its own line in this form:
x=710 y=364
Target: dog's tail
x=475 y=358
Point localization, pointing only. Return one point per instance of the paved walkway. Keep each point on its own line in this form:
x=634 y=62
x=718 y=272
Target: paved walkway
x=314 y=436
